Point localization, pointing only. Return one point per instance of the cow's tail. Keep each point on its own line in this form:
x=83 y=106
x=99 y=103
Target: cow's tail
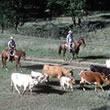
x=59 y=50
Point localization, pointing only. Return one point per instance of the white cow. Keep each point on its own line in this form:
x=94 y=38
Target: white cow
x=66 y=81
x=41 y=77
x=23 y=80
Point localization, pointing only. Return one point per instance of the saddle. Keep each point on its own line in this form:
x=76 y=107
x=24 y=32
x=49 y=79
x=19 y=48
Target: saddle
x=73 y=46
x=11 y=54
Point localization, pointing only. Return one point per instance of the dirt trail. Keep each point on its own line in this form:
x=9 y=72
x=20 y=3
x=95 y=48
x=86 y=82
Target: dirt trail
x=53 y=61
x=68 y=64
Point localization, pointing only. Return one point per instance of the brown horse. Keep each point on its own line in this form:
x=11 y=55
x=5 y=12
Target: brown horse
x=18 y=55
x=75 y=48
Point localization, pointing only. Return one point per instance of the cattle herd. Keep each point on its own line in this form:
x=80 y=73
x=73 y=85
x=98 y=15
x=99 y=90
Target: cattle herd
x=96 y=75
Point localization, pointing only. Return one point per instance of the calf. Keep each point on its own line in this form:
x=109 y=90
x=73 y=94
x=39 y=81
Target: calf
x=100 y=69
x=56 y=71
x=41 y=78
x=23 y=80
x=66 y=81
x=93 y=77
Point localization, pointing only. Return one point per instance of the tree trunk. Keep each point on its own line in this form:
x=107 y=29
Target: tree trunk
x=2 y=25
x=73 y=17
x=79 y=21
x=16 y=23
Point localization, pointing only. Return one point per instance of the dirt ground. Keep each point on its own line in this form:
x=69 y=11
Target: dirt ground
x=68 y=64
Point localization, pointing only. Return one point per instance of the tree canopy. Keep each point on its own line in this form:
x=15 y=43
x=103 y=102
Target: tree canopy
x=14 y=12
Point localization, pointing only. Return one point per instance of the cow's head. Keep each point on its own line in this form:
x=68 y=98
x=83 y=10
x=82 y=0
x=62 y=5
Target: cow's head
x=72 y=81
x=106 y=80
x=71 y=72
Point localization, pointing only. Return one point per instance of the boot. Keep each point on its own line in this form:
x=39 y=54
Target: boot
x=8 y=58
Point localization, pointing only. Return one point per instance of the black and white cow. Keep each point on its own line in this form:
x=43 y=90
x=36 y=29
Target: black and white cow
x=101 y=69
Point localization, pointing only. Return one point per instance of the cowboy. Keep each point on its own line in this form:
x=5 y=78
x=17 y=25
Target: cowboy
x=11 y=47
x=69 y=40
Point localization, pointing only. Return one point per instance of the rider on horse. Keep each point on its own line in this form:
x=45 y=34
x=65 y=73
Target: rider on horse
x=69 y=40
x=11 y=47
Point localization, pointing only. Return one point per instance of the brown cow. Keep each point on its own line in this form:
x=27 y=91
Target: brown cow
x=56 y=71
x=93 y=77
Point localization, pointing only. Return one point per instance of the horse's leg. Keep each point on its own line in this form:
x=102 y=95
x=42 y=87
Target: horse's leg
x=16 y=67
x=64 y=51
x=20 y=67
x=18 y=63
x=77 y=58
x=72 y=57
x=4 y=63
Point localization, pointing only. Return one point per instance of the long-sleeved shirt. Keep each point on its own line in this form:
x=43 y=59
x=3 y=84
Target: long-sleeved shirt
x=69 y=38
x=11 y=44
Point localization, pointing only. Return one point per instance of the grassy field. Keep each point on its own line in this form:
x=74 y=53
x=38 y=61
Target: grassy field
x=50 y=96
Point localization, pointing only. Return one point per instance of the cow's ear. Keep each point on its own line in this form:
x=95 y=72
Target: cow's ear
x=32 y=77
x=71 y=70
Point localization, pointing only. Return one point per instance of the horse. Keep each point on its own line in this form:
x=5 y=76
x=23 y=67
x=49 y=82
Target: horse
x=18 y=55
x=75 y=48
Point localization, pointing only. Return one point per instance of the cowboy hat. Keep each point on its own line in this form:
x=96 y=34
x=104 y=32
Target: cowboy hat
x=70 y=32
x=11 y=37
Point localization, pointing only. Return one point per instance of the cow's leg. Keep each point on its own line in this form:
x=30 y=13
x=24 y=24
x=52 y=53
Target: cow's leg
x=16 y=88
x=63 y=86
x=47 y=78
x=70 y=87
x=96 y=87
x=30 y=88
x=59 y=76
x=24 y=90
x=100 y=87
x=82 y=84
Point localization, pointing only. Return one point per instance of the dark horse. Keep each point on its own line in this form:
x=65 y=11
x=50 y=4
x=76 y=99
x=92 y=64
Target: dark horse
x=18 y=55
x=75 y=48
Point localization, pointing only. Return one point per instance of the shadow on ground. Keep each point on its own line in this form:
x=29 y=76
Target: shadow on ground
x=47 y=89
x=105 y=107
x=33 y=67
x=93 y=57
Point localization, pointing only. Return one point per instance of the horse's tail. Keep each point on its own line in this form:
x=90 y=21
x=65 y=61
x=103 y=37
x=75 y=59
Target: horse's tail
x=2 y=57
x=59 y=50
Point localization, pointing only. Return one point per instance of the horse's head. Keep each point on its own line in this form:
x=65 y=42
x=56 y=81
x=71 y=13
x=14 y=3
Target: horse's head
x=82 y=42
x=21 y=54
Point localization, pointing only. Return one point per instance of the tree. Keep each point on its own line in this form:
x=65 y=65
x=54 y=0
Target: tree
x=4 y=14
x=77 y=9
